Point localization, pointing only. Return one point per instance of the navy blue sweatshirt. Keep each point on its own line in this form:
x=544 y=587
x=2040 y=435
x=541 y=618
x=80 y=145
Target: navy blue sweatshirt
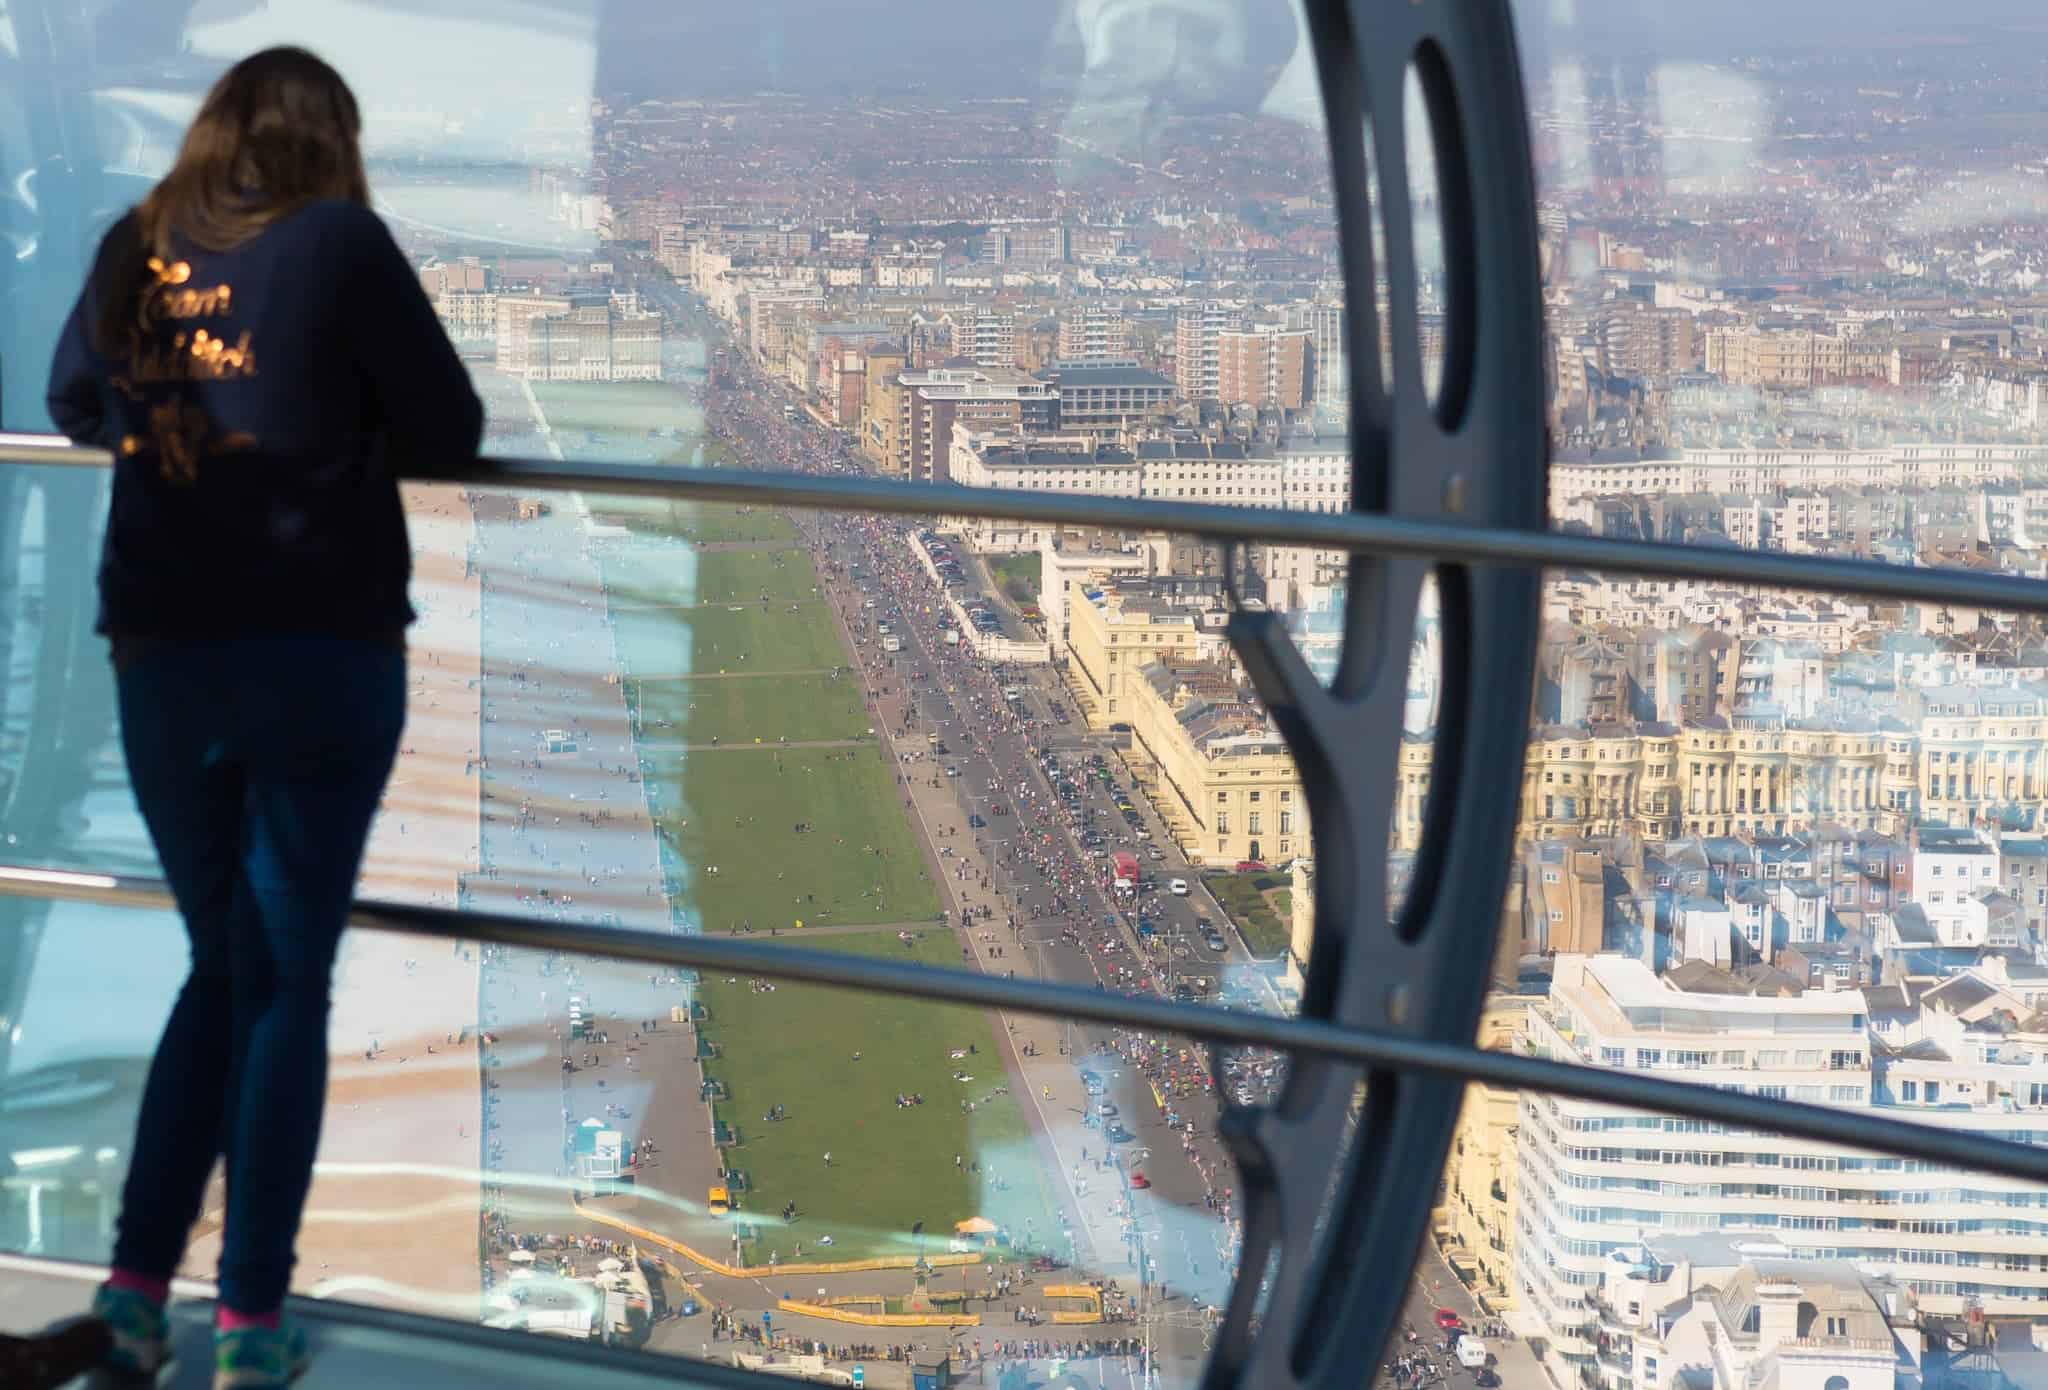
x=256 y=426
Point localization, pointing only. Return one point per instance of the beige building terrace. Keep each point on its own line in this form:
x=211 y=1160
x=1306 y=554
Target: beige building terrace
x=1476 y=1225
x=1217 y=772
x=1659 y=781
x=1113 y=633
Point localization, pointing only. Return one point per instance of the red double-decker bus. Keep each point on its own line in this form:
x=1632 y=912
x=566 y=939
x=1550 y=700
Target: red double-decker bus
x=1126 y=866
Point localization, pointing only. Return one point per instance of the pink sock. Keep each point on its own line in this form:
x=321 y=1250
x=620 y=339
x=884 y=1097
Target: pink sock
x=228 y=1320
x=155 y=1290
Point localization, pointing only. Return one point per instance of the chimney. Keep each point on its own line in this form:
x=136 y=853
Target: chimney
x=1777 y=1302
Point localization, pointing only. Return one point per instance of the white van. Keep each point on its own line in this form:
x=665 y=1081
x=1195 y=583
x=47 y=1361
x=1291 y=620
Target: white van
x=1472 y=1352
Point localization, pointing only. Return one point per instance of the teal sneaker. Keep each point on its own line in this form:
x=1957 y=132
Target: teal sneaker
x=141 y=1338
x=259 y=1358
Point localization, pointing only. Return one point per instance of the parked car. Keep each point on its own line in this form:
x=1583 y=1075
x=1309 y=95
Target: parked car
x=1448 y=1319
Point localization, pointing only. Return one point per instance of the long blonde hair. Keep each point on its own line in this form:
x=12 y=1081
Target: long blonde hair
x=280 y=129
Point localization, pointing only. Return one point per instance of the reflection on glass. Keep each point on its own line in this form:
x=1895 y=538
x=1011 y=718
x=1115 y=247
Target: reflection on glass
x=667 y=1160
x=1426 y=220
x=1424 y=668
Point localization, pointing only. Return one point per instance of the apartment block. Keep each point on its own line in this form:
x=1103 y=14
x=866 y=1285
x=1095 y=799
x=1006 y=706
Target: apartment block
x=1263 y=368
x=1596 y=1180
x=1329 y=362
x=988 y=337
x=884 y=441
x=1197 y=345
x=983 y=399
x=1092 y=332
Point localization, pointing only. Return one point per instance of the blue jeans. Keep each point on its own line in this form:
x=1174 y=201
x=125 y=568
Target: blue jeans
x=258 y=763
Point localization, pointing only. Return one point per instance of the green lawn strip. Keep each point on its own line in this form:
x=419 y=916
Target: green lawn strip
x=674 y=574
x=701 y=523
x=801 y=709
x=749 y=639
x=649 y=576
x=738 y=811
x=1264 y=927
x=1016 y=575
x=891 y=1166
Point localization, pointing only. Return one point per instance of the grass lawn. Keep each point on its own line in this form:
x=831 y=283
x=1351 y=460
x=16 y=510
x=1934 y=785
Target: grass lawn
x=699 y=523
x=1258 y=904
x=741 y=576
x=715 y=576
x=741 y=814
x=891 y=1166
x=748 y=638
x=1017 y=575
x=798 y=708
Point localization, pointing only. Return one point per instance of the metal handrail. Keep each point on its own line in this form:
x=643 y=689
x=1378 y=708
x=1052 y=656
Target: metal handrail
x=1355 y=532
x=880 y=975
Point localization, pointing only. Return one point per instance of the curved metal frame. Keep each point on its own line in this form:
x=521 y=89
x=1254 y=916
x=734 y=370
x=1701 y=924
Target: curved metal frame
x=1475 y=452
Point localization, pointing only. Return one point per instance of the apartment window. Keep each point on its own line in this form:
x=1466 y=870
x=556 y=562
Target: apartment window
x=1647 y=1057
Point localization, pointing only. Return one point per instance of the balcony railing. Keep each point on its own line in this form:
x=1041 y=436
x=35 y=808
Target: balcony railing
x=1371 y=1050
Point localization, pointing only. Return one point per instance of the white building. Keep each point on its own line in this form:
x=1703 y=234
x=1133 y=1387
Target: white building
x=1951 y=868
x=1762 y=472
x=1699 y=1311
x=1307 y=472
x=1596 y=1179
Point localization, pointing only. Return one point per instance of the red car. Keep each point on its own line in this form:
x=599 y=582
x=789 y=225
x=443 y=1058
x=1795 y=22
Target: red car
x=1448 y=1320
x=1139 y=1180
x=1250 y=866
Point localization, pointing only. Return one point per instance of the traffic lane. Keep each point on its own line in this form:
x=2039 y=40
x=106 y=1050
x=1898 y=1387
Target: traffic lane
x=1431 y=1285
x=1185 y=1238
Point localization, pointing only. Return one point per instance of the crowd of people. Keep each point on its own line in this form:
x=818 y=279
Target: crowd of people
x=1008 y=892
